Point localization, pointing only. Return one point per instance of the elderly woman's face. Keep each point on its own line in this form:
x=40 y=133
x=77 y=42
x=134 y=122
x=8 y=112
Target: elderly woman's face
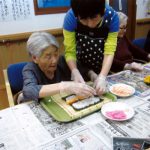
x=48 y=61
x=122 y=29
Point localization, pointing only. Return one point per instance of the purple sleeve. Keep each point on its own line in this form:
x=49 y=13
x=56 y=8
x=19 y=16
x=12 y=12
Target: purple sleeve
x=31 y=88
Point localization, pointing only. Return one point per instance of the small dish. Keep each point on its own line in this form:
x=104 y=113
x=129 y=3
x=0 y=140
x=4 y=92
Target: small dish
x=122 y=90
x=117 y=111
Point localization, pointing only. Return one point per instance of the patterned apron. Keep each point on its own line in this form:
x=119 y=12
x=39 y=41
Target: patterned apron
x=90 y=45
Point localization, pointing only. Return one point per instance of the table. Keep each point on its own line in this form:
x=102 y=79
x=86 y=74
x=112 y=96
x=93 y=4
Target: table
x=28 y=126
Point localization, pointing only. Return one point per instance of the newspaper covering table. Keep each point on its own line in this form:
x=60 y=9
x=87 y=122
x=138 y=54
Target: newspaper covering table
x=134 y=79
x=29 y=126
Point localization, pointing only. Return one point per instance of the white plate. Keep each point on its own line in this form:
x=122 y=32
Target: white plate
x=122 y=90
x=117 y=107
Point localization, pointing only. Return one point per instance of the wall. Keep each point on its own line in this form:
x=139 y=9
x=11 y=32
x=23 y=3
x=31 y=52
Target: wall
x=31 y=23
x=143 y=9
x=142 y=29
x=143 y=18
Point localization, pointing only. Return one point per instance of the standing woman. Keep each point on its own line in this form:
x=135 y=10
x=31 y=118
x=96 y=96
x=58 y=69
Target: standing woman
x=90 y=35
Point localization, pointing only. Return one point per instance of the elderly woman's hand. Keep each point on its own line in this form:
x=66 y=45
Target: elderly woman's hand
x=148 y=57
x=80 y=89
x=134 y=66
x=100 y=85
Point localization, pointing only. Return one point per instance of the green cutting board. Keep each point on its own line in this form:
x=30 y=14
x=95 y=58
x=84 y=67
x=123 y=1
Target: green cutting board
x=59 y=113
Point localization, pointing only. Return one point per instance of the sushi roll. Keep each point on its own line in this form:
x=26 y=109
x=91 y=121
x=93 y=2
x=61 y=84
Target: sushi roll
x=72 y=99
x=86 y=103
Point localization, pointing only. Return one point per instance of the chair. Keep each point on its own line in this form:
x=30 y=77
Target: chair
x=13 y=80
x=143 y=43
x=139 y=42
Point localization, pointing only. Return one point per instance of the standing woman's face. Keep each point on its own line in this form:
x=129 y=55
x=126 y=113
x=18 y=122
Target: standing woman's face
x=91 y=22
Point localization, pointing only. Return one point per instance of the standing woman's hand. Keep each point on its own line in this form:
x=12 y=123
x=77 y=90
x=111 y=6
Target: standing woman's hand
x=76 y=76
x=92 y=75
x=100 y=85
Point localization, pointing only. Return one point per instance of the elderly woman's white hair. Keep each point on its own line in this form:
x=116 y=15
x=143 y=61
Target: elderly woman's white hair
x=122 y=18
x=39 y=41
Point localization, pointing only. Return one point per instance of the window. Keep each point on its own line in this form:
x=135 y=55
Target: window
x=51 y=6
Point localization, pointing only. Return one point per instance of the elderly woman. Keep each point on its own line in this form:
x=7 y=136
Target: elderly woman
x=42 y=77
x=126 y=52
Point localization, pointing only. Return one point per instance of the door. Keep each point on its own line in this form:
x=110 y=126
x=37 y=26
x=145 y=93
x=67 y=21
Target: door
x=129 y=8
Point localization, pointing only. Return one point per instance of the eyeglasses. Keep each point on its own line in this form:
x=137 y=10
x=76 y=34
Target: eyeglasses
x=123 y=28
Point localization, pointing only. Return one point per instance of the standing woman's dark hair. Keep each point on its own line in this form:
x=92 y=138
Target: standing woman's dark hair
x=88 y=8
